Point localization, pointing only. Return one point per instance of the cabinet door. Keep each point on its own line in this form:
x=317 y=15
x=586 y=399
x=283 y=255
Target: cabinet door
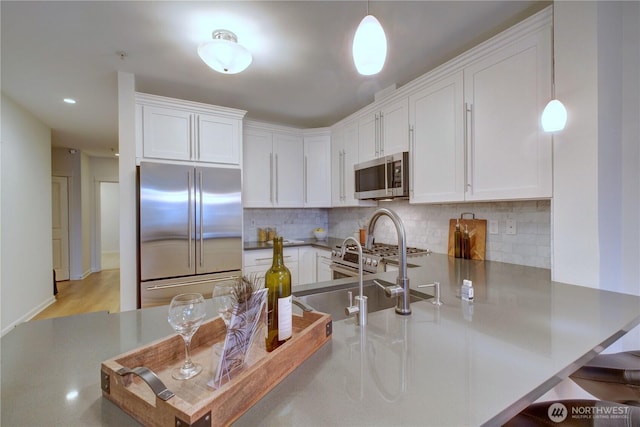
x=509 y=154
x=317 y=171
x=257 y=169
x=323 y=261
x=337 y=166
x=166 y=134
x=394 y=127
x=258 y=262
x=218 y=139
x=350 y=158
x=287 y=167
x=306 y=265
x=437 y=145
x=368 y=138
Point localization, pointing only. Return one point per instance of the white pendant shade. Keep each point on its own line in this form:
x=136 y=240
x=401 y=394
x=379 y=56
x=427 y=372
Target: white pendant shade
x=224 y=54
x=369 y=46
x=554 y=116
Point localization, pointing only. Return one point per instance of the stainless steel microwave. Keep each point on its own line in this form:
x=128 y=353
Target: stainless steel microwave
x=383 y=178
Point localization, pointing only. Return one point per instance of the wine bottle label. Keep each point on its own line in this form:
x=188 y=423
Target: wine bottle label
x=285 y=313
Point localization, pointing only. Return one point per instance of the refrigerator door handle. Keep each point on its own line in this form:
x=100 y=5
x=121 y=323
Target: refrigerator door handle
x=193 y=282
x=201 y=194
x=190 y=214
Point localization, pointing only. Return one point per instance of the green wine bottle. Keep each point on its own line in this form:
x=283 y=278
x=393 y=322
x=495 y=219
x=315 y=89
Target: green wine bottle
x=279 y=311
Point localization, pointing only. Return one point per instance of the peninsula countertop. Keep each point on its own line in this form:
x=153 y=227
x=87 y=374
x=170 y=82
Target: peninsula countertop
x=457 y=364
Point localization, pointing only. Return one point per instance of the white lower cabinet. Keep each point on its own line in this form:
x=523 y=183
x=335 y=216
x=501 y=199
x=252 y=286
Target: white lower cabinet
x=306 y=263
x=259 y=261
x=314 y=265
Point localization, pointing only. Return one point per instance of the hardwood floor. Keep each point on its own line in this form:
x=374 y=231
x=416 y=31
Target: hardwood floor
x=98 y=292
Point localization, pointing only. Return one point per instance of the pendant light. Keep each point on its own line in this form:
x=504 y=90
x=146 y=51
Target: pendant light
x=224 y=54
x=554 y=115
x=369 y=46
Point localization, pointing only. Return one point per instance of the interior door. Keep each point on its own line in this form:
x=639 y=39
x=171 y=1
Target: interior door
x=60 y=226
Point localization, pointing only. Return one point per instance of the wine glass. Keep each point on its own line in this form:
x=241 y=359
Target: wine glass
x=222 y=298
x=186 y=314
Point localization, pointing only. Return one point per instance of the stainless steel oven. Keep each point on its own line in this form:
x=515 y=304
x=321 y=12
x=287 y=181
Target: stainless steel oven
x=345 y=264
x=383 y=178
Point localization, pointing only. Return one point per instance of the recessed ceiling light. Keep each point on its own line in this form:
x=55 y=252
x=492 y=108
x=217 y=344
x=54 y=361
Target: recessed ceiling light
x=69 y=100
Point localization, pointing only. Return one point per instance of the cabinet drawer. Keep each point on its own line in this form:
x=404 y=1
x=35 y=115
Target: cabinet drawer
x=265 y=257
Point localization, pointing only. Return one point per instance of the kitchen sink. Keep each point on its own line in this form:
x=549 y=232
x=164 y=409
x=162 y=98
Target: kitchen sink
x=335 y=299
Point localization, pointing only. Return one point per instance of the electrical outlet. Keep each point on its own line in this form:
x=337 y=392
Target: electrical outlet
x=511 y=226
x=493 y=227
x=253 y=222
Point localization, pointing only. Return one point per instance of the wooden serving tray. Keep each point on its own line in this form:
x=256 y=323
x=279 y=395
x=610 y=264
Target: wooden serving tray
x=163 y=401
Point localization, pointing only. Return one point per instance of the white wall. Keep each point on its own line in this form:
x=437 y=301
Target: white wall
x=596 y=207
x=128 y=185
x=596 y=173
x=27 y=265
x=109 y=217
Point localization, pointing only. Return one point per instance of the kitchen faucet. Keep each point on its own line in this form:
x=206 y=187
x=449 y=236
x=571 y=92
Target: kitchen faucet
x=361 y=300
x=401 y=289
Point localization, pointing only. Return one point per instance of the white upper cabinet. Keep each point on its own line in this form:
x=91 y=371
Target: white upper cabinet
x=272 y=168
x=317 y=169
x=510 y=156
x=173 y=129
x=383 y=131
x=287 y=169
x=437 y=165
x=475 y=122
x=344 y=154
x=218 y=139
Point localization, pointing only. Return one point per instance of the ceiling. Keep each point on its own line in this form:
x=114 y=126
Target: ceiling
x=302 y=73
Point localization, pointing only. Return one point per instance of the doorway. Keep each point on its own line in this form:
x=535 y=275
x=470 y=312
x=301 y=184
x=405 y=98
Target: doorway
x=109 y=225
x=60 y=226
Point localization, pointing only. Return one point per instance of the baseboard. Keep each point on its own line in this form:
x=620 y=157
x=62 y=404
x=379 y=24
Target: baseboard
x=30 y=315
x=82 y=276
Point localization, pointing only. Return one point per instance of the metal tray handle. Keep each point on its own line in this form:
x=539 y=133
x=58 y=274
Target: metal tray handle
x=150 y=378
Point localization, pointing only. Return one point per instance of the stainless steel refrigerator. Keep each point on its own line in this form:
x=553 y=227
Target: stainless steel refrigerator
x=190 y=225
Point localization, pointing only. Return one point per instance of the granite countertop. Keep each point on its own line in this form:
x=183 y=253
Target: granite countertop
x=458 y=364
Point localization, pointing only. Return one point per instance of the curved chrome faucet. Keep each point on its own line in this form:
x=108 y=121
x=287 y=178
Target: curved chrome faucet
x=401 y=290
x=361 y=300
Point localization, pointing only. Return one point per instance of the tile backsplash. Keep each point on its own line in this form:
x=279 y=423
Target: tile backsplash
x=290 y=223
x=426 y=226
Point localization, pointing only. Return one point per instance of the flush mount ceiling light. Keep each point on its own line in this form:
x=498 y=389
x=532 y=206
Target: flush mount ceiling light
x=369 y=46
x=224 y=54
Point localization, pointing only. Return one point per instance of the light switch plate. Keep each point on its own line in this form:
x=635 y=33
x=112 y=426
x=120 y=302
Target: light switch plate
x=493 y=227
x=511 y=226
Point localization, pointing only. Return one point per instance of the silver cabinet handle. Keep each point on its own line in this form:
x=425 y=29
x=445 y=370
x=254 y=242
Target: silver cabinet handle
x=381 y=134
x=468 y=149
x=376 y=135
x=412 y=156
x=271 y=177
x=306 y=199
x=277 y=182
x=343 y=172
